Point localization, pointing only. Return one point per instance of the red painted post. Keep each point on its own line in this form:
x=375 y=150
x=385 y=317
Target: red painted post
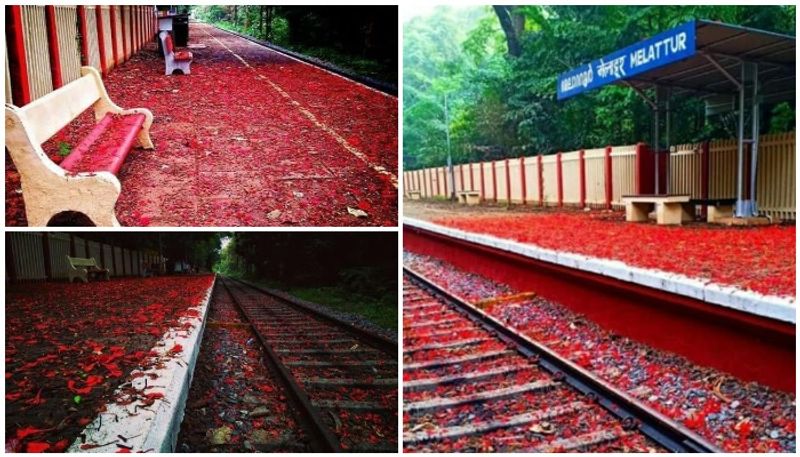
x=582 y=168
x=645 y=168
x=541 y=179
x=112 y=12
x=84 y=35
x=560 y=180
x=483 y=186
x=522 y=179
x=101 y=40
x=461 y=172
x=52 y=44
x=471 y=177
x=609 y=178
x=124 y=33
x=17 y=63
x=508 y=183
x=494 y=180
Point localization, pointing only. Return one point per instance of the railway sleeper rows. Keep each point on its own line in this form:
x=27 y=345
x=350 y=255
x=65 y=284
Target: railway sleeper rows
x=468 y=386
x=342 y=390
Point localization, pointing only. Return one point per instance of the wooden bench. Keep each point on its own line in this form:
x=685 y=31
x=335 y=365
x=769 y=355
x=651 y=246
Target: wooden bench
x=86 y=181
x=83 y=269
x=415 y=194
x=469 y=197
x=175 y=60
x=670 y=209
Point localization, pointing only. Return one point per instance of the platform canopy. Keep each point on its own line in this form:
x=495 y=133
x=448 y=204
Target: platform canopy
x=720 y=63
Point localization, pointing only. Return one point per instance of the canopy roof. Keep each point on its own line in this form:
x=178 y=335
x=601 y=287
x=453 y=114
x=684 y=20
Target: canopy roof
x=710 y=49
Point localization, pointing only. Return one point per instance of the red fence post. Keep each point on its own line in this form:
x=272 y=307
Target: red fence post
x=461 y=172
x=494 y=180
x=84 y=35
x=483 y=186
x=101 y=40
x=541 y=179
x=112 y=13
x=52 y=44
x=471 y=177
x=17 y=63
x=124 y=33
x=609 y=178
x=522 y=178
x=560 y=180
x=645 y=169
x=582 y=168
x=445 y=172
x=508 y=182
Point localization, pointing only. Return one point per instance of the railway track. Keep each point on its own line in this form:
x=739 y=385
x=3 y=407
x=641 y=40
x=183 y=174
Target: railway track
x=472 y=384
x=342 y=379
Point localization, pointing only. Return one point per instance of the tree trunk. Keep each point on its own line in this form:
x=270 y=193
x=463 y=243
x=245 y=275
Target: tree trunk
x=513 y=25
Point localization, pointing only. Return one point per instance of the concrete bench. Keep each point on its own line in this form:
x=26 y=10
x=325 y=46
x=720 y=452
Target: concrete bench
x=415 y=194
x=469 y=197
x=84 y=269
x=717 y=208
x=670 y=209
x=175 y=60
x=86 y=181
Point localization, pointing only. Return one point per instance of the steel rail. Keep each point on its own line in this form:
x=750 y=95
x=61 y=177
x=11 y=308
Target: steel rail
x=323 y=438
x=373 y=339
x=634 y=415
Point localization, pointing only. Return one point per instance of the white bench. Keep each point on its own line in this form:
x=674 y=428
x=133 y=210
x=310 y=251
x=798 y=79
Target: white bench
x=415 y=194
x=82 y=269
x=670 y=209
x=175 y=60
x=86 y=181
x=469 y=197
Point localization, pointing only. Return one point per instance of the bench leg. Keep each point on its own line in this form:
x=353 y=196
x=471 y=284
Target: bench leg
x=636 y=212
x=95 y=196
x=715 y=213
x=669 y=213
x=687 y=212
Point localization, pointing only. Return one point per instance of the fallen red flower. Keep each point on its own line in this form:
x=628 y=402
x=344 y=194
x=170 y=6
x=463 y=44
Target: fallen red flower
x=35 y=446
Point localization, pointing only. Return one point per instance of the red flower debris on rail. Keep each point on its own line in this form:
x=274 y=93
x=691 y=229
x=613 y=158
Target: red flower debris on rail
x=69 y=346
x=230 y=150
x=737 y=416
x=761 y=259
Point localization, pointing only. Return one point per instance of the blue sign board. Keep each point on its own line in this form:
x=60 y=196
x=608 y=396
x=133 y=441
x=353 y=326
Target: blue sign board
x=662 y=49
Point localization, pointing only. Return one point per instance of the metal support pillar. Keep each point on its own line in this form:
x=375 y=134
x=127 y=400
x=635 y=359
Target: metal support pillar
x=656 y=139
x=756 y=111
x=741 y=204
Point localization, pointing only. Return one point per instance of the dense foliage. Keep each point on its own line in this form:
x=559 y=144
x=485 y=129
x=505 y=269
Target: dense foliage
x=362 y=39
x=499 y=77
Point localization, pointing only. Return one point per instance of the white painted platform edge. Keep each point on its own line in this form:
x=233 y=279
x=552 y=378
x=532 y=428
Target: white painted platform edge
x=155 y=429
x=770 y=306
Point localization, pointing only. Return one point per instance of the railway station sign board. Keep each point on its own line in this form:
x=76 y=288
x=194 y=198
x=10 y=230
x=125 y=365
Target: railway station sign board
x=667 y=47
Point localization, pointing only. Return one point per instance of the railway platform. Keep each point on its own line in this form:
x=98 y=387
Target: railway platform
x=253 y=137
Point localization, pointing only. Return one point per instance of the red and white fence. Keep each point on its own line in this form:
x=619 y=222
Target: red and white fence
x=600 y=177
x=41 y=256
x=47 y=45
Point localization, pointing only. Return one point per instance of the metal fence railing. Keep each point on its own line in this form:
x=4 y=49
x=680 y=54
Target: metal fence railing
x=600 y=177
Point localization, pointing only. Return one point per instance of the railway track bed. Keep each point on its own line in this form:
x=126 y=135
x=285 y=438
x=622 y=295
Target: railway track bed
x=338 y=384
x=471 y=384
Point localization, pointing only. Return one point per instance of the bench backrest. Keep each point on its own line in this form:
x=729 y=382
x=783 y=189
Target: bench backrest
x=47 y=115
x=81 y=262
